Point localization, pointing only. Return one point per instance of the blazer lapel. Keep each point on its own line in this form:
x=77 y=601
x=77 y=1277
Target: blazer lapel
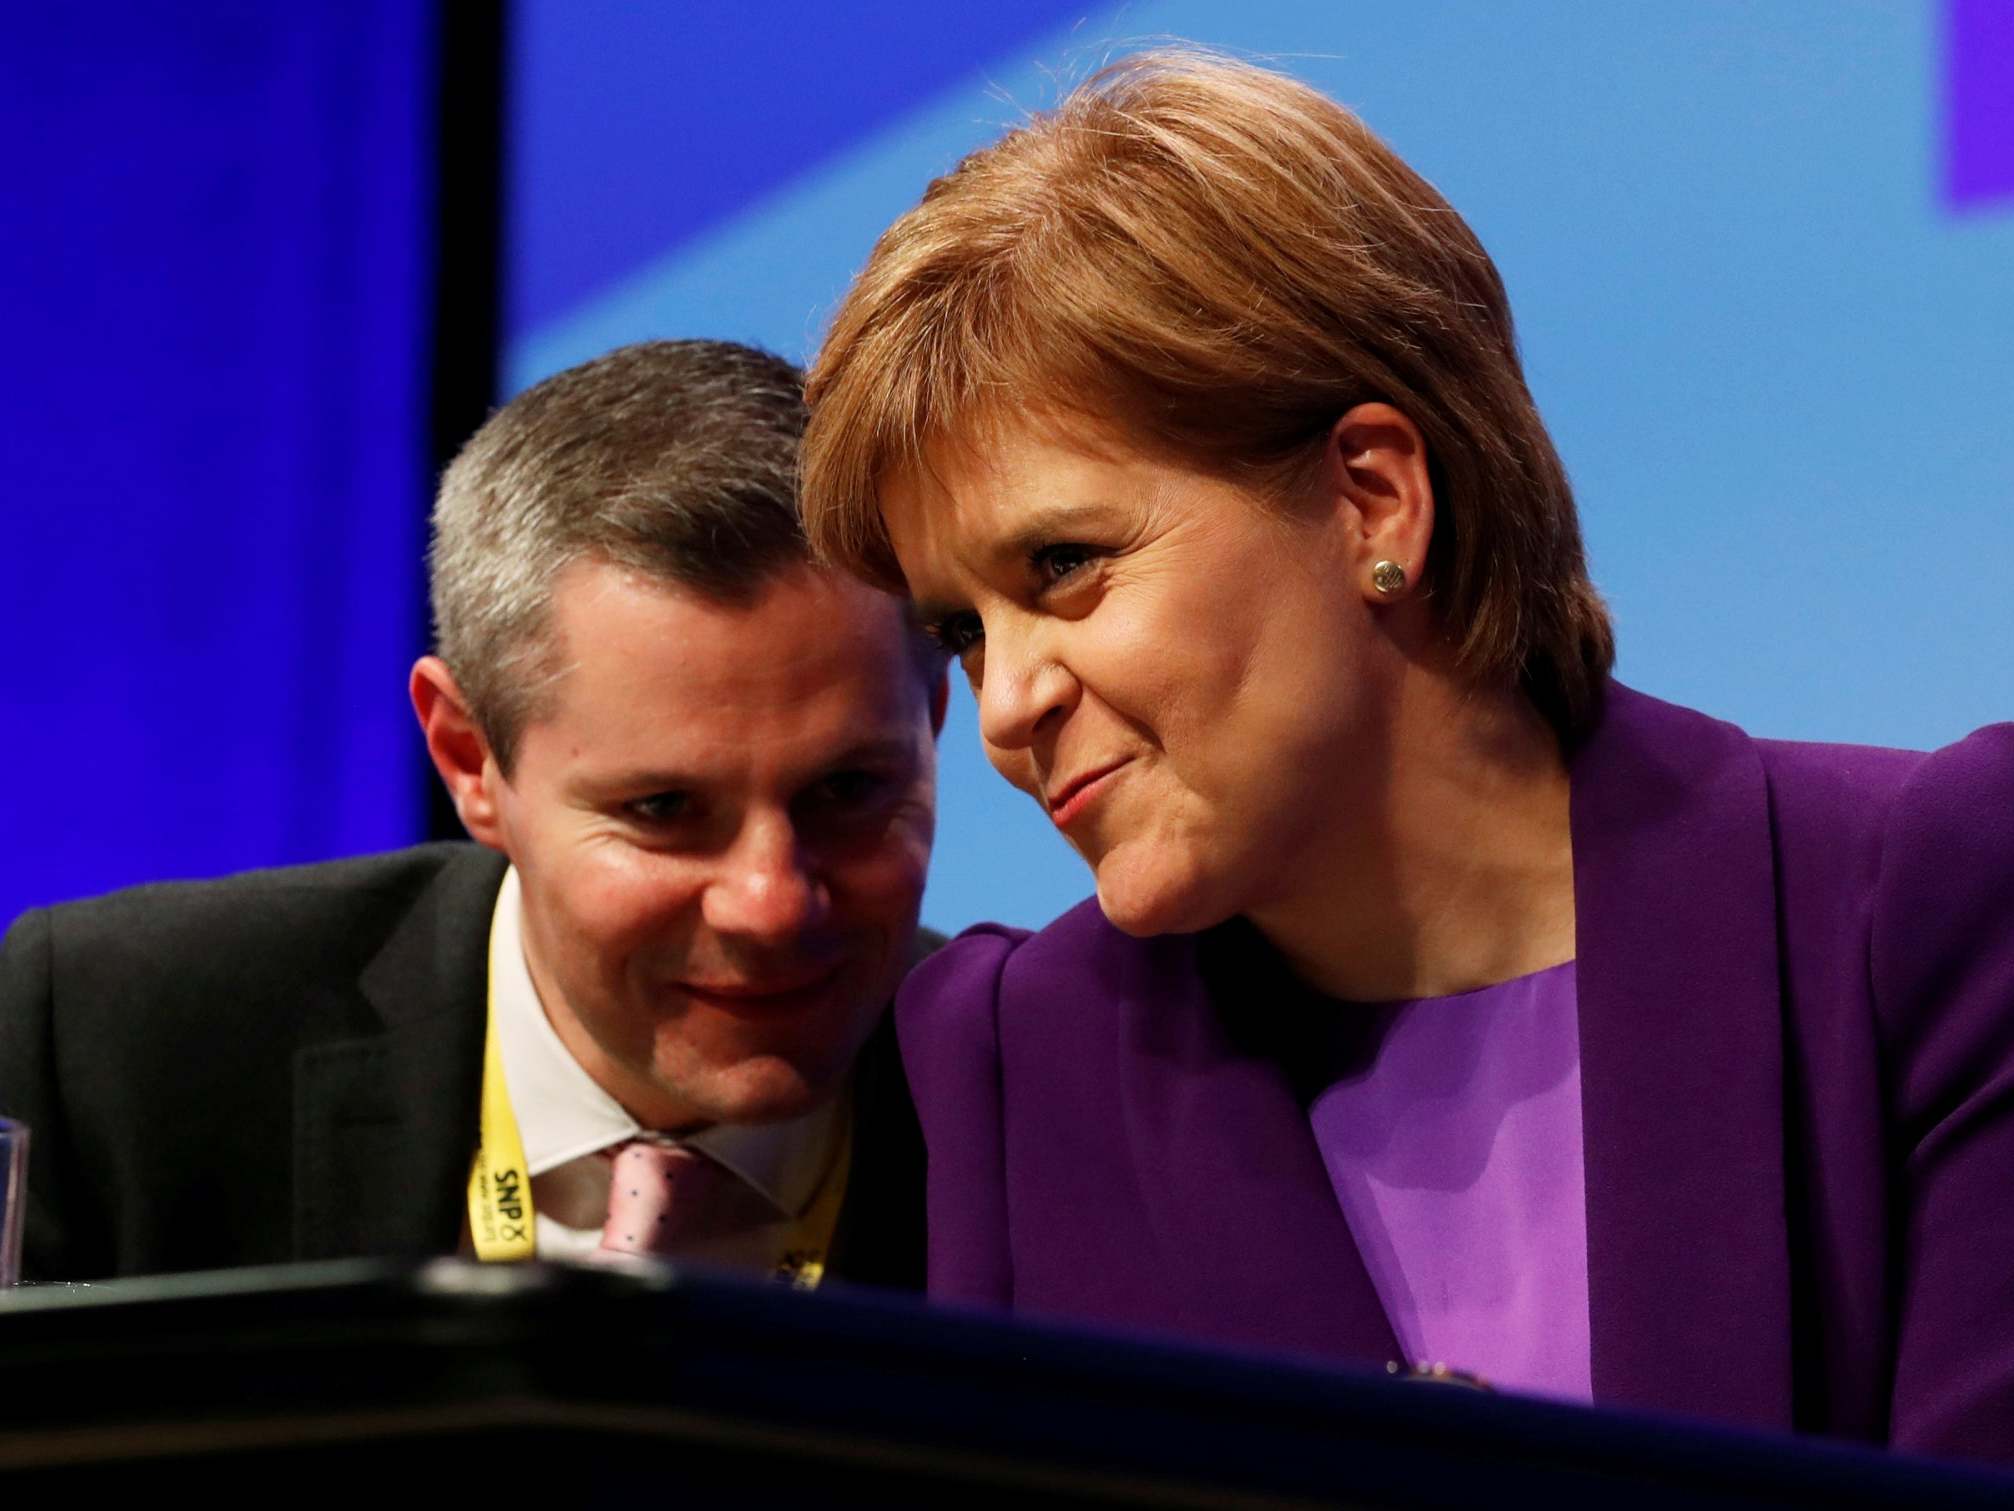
x=1244 y=1217
x=385 y=1125
x=880 y=1236
x=1681 y=1066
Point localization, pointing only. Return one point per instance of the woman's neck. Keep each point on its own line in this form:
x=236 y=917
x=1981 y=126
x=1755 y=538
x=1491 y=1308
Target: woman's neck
x=1457 y=874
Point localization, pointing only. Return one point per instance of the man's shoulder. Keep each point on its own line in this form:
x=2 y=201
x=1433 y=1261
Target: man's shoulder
x=279 y=922
x=928 y=942
x=250 y=899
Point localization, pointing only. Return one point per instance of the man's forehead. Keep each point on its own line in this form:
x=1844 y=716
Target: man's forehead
x=800 y=604
x=810 y=661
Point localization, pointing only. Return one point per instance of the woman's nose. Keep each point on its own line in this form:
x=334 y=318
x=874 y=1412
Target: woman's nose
x=1023 y=687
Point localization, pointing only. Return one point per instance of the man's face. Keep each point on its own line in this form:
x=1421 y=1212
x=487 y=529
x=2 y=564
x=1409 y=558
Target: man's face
x=721 y=827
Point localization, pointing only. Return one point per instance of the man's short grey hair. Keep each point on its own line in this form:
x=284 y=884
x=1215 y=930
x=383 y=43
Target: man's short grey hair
x=676 y=459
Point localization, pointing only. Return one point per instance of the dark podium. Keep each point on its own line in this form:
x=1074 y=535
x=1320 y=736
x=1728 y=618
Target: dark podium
x=381 y=1380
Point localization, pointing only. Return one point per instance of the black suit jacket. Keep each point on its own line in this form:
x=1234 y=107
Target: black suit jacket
x=286 y=1065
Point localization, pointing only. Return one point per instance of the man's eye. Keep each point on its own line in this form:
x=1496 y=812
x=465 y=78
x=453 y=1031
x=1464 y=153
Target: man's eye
x=850 y=789
x=956 y=633
x=660 y=807
x=1055 y=563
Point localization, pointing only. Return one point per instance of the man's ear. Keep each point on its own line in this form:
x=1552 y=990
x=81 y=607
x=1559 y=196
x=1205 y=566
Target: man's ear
x=459 y=750
x=1376 y=463
x=940 y=700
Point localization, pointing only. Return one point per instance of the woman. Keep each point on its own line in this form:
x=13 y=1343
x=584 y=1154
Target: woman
x=1441 y=999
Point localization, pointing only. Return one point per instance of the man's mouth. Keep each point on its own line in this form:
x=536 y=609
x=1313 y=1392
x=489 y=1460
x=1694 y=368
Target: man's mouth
x=755 y=994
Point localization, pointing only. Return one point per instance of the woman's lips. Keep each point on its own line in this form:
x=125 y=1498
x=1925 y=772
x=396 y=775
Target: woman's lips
x=1077 y=794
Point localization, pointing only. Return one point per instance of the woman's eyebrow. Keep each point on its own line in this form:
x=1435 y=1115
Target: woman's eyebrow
x=1038 y=525
x=1046 y=524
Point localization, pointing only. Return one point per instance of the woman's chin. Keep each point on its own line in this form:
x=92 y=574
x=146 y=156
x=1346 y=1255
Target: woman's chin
x=1145 y=896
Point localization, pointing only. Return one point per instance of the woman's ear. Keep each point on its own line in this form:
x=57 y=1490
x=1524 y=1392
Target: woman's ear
x=459 y=751
x=1376 y=464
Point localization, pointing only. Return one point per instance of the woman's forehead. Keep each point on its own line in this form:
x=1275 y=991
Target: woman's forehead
x=1028 y=454
x=980 y=508
x=985 y=483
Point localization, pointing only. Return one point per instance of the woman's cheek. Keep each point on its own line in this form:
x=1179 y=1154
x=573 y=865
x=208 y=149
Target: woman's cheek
x=1018 y=767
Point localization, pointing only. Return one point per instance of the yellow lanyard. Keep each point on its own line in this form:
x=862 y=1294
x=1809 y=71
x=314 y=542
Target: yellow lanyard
x=501 y=1218
x=803 y=1261
x=505 y=1226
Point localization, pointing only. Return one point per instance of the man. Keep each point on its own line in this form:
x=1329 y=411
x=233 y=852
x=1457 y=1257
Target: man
x=642 y=1017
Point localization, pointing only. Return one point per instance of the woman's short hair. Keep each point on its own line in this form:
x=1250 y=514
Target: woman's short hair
x=1217 y=262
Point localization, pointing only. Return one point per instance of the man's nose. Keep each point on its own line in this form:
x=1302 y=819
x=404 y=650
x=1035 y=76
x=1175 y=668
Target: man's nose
x=768 y=886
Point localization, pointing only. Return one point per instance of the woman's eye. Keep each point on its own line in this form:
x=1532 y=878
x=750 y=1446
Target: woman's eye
x=660 y=807
x=957 y=633
x=1055 y=563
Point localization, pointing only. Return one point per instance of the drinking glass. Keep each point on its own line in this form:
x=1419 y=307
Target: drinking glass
x=13 y=1197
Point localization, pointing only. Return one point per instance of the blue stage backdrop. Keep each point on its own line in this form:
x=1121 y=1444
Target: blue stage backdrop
x=213 y=445
x=1762 y=255
x=1763 y=258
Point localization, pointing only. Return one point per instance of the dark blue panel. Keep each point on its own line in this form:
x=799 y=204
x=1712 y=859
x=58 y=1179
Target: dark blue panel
x=213 y=444
x=634 y=126
x=1979 y=105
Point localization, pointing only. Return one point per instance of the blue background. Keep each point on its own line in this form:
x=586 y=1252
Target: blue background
x=1778 y=356
x=1779 y=364
x=216 y=264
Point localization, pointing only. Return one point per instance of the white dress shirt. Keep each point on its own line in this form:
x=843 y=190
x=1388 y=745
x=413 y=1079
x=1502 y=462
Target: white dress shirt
x=565 y=1119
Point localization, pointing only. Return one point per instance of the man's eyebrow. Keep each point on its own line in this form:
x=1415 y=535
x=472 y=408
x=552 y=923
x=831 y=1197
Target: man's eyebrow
x=889 y=747
x=645 y=779
x=931 y=612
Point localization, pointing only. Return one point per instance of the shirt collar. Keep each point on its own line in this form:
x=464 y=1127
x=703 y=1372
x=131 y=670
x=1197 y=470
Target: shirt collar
x=563 y=1114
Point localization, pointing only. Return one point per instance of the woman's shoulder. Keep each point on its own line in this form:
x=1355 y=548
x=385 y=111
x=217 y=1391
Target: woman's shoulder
x=1917 y=849
x=1049 y=984
x=1965 y=791
x=1052 y=981
x=1823 y=794
x=1944 y=906
x=1897 y=797
x=1834 y=800
x=989 y=958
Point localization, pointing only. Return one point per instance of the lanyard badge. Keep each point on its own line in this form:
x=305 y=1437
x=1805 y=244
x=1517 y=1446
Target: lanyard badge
x=504 y=1224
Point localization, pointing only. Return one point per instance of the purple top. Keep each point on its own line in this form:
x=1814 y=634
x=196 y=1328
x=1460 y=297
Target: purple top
x=1795 y=984
x=1454 y=1146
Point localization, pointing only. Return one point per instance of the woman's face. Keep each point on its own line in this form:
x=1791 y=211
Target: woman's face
x=1186 y=680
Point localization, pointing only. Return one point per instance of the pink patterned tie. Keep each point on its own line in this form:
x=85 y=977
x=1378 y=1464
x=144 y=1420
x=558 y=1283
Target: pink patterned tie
x=661 y=1196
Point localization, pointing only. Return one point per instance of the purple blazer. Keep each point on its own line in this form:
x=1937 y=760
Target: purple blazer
x=1796 y=988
